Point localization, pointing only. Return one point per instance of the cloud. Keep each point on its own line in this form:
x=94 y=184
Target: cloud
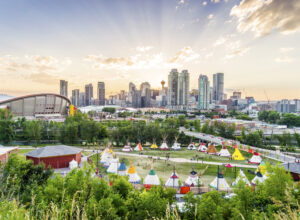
x=215 y=1
x=220 y=41
x=144 y=48
x=235 y=49
x=184 y=55
x=210 y=16
x=286 y=49
x=264 y=16
x=204 y=3
x=142 y=61
x=43 y=78
x=284 y=59
x=181 y=2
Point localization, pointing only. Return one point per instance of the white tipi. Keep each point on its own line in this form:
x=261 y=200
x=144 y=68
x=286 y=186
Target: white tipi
x=259 y=178
x=241 y=177
x=164 y=145
x=151 y=179
x=191 y=146
x=255 y=159
x=114 y=165
x=106 y=156
x=173 y=180
x=202 y=148
x=139 y=147
x=176 y=145
x=224 y=152
x=193 y=179
x=127 y=148
x=220 y=183
x=133 y=177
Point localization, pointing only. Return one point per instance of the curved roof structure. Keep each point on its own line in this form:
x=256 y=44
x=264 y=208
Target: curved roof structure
x=38 y=104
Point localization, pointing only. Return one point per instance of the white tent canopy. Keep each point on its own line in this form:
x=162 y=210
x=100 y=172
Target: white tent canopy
x=220 y=183
x=241 y=177
x=151 y=179
x=106 y=157
x=224 y=152
x=164 y=146
x=176 y=146
x=255 y=159
x=259 y=178
x=127 y=148
x=173 y=180
x=191 y=146
x=114 y=165
x=193 y=179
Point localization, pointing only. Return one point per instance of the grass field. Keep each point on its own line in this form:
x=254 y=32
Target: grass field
x=164 y=169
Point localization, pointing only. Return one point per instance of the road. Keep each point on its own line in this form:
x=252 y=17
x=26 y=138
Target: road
x=183 y=160
x=275 y=155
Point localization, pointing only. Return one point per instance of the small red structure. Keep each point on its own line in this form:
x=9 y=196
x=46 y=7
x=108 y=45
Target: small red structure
x=184 y=189
x=58 y=156
x=5 y=152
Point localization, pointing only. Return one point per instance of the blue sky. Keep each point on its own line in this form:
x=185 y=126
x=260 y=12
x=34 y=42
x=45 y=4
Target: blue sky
x=119 y=41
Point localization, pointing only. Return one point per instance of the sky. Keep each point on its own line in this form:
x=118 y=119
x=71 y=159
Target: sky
x=255 y=43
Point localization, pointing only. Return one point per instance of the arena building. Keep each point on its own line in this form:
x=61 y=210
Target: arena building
x=58 y=156
x=37 y=105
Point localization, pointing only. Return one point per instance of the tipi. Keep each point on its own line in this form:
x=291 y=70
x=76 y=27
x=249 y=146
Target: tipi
x=133 y=177
x=122 y=169
x=164 y=145
x=193 y=179
x=73 y=164
x=211 y=149
x=173 y=180
x=106 y=156
x=262 y=168
x=114 y=165
x=151 y=179
x=241 y=177
x=224 y=152
x=139 y=147
x=259 y=178
x=176 y=145
x=219 y=183
x=237 y=155
x=153 y=146
x=191 y=146
x=255 y=159
x=127 y=148
x=202 y=148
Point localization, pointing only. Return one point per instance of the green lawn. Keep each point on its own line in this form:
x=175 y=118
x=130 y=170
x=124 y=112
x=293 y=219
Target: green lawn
x=164 y=169
x=22 y=152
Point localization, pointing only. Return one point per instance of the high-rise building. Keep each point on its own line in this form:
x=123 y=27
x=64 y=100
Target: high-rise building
x=145 y=94
x=132 y=88
x=173 y=88
x=101 y=93
x=88 y=94
x=82 y=99
x=183 y=88
x=75 y=97
x=64 y=88
x=136 y=99
x=204 y=92
x=218 y=87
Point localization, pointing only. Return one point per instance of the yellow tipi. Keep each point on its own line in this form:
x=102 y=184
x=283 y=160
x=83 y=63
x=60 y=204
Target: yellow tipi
x=154 y=146
x=262 y=168
x=237 y=155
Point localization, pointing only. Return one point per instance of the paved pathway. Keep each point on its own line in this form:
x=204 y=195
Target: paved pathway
x=183 y=160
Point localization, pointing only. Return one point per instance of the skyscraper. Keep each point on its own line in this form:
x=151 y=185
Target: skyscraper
x=204 y=92
x=64 y=88
x=172 y=88
x=183 y=88
x=75 y=97
x=218 y=87
x=101 y=93
x=145 y=94
x=88 y=94
x=132 y=88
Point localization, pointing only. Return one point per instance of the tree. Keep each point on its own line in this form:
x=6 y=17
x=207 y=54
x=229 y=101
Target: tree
x=33 y=131
x=109 y=109
x=6 y=131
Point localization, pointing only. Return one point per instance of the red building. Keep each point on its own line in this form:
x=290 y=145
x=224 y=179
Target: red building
x=58 y=156
x=5 y=152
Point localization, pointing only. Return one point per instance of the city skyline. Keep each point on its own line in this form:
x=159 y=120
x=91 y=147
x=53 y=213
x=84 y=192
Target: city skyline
x=117 y=42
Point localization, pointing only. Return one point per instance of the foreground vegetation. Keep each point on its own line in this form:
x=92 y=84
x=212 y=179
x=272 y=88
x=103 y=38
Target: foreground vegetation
x=30 y=192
